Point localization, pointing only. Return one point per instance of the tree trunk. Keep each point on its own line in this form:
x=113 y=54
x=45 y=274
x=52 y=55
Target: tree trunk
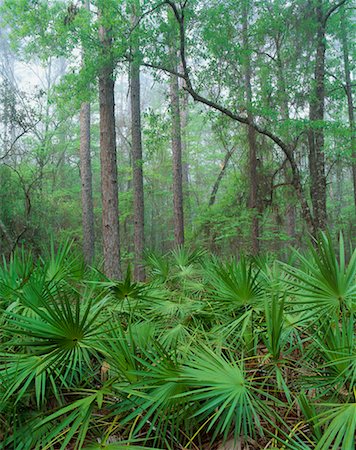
x=86 y=181
x=4 y=232
x=251 y=134
x=178 y=216
x=109 y=187
x=215 y=188
x=86 y=176
x=286 y=147
x=350 y=105
x=291 y=209
x=138 y=200
x=184 y=112
x=316 y=133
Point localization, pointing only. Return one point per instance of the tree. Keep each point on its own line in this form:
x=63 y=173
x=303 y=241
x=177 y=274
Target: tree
x=136 y=147
x=109 y=186
x=251 y=132
x=86 y=177
x=249 y=66
x=178 y=215
x=286 y=146
x=316 y=116
x=350 y=103
x=184 y=118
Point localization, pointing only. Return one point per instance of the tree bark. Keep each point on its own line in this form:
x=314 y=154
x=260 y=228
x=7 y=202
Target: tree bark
x=350 y=104
x=215 y=188
x=136 y=147
x=178 y=215
x=291 y=209
x=184 y=113
x=86 y=176
x=4 y=232
x=86 y=181
x=251 y=134
x=316 y=133
x=109 y=186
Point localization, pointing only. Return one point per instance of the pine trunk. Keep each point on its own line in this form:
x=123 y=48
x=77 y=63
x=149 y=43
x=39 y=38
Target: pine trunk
x=138 y=200
x=252 y=141
x=350 y=105
x=316 y=133
x=178 y=216
x=86 y=181
x=109 y=185
x=184 y=113
x=291 y=209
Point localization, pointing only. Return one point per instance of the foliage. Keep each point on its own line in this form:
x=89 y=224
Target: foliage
x=203 y=352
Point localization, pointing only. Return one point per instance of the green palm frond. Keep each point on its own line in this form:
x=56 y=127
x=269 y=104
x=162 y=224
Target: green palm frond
x=63 y=264
x=158 y=266
x=325 y=281
x=234 y=284
x=74 y=422
x=15 y=273
x=154 y=402
x=184 y=257
x=334 y=349
x=228 y=398
x=340 y=431
x=59 y=339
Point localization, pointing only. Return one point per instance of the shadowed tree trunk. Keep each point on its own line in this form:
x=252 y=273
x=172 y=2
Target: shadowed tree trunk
x=86 y=181
x=316 y=116
x=184 y=112
x=86 y=178
x=251 y=134
x=291 y=209
x=109 y=186
x=316 y=133
x=178 y=216
x=350 y=105
x=215 y=188
x=138 y=200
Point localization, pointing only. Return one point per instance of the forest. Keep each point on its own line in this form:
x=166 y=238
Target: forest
x=177 y=225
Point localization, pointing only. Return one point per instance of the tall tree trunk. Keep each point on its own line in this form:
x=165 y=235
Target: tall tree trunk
x=86 y=181
x=178 y=215
x=109 y=186
x=86 y=178
x=350 y=105
x=216 y=185
x=291 y=209
x=316 y=133
x=138 y=200
x=184 y=113
x=252 y=141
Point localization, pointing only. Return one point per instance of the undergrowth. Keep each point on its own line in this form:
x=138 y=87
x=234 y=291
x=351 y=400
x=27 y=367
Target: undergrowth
x=254 y=351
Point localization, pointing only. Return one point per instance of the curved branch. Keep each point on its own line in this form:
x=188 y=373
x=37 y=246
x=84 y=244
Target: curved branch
x=332 y=10
x=286 y=148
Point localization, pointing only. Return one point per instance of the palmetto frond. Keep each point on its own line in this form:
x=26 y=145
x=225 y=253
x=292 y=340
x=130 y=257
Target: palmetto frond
x=340 y=431
x=229 y=398
x=58 y=341
x=205 y=351
x=325 y=282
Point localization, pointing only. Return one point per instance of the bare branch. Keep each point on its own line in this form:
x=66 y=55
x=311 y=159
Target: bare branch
x=164 y=69
x=143 y=15
x=286 y=148
x=332 y=10
x=9 y=150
